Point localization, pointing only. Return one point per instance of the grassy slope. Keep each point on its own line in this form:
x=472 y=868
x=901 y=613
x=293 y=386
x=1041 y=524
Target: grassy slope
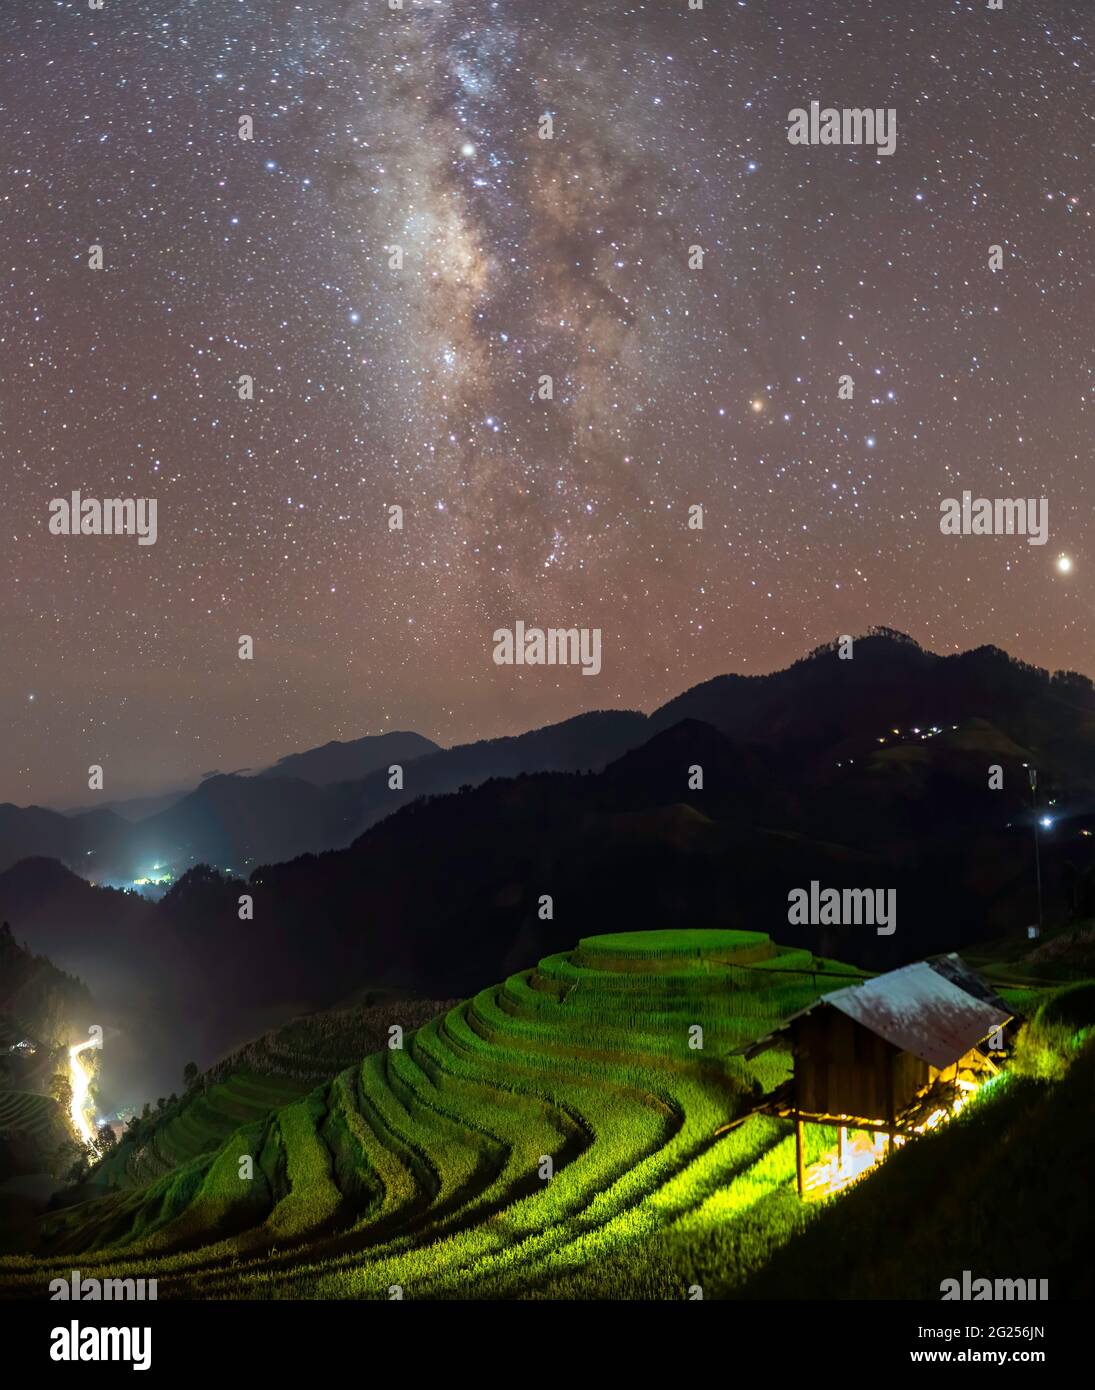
x=34 y=1127
x=424 y=1166
x=1003 y=1192
x=198 y=1123
x=270 y=1072
x=554 y=1136
x=28 y=1111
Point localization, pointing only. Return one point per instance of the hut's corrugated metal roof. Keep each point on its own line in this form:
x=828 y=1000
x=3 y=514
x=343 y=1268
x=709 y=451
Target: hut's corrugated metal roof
x=920 y=1011
x=955 y=969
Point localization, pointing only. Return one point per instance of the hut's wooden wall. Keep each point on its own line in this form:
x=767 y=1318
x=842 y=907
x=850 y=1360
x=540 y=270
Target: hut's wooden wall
x=842 y=1068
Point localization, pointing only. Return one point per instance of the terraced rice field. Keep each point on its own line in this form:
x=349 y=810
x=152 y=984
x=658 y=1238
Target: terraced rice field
x=203 y=1122
x=32 y=1126
x=567 y=1132
x=28 y=1112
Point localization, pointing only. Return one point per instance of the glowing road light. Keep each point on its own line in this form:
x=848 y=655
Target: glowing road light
x=81 y=1081
x=1046 y=821
x=1064 y=564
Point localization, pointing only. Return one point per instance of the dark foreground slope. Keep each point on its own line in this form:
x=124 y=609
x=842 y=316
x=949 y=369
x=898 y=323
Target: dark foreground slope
x=1004 y=1192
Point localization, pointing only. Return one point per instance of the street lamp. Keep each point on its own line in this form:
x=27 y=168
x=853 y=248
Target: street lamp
x=1032 y=772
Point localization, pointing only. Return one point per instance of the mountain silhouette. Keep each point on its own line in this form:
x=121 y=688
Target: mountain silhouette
x=234 y=822
x=495 y=854
x=343 y=762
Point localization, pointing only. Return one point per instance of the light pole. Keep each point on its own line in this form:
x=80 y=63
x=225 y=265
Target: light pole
x=1033 y=774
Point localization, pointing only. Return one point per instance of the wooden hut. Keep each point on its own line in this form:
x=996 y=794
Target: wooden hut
x=866 y=1055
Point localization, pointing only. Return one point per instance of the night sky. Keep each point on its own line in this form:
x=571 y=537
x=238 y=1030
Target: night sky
x=522 y=257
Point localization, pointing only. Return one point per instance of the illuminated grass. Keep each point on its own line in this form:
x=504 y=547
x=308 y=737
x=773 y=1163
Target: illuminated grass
x=553 y=1135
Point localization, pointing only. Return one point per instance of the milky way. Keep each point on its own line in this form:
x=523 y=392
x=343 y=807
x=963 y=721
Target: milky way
x=421 y=385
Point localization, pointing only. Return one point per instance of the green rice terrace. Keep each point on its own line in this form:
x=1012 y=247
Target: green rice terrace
x=201 y=1124
x=32 y=1123
x=569 y=1133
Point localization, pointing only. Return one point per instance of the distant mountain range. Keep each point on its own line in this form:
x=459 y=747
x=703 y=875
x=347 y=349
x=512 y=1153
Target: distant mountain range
x=311 y=801
x=869 y=773
x=345 y=762
x=814 y=716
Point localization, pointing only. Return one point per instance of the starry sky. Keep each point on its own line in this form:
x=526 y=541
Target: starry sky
x=418 y=387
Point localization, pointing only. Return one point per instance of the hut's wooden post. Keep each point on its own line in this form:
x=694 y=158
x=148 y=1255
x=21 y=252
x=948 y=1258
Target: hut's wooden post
x=800 y=1156
x=891 y=1106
